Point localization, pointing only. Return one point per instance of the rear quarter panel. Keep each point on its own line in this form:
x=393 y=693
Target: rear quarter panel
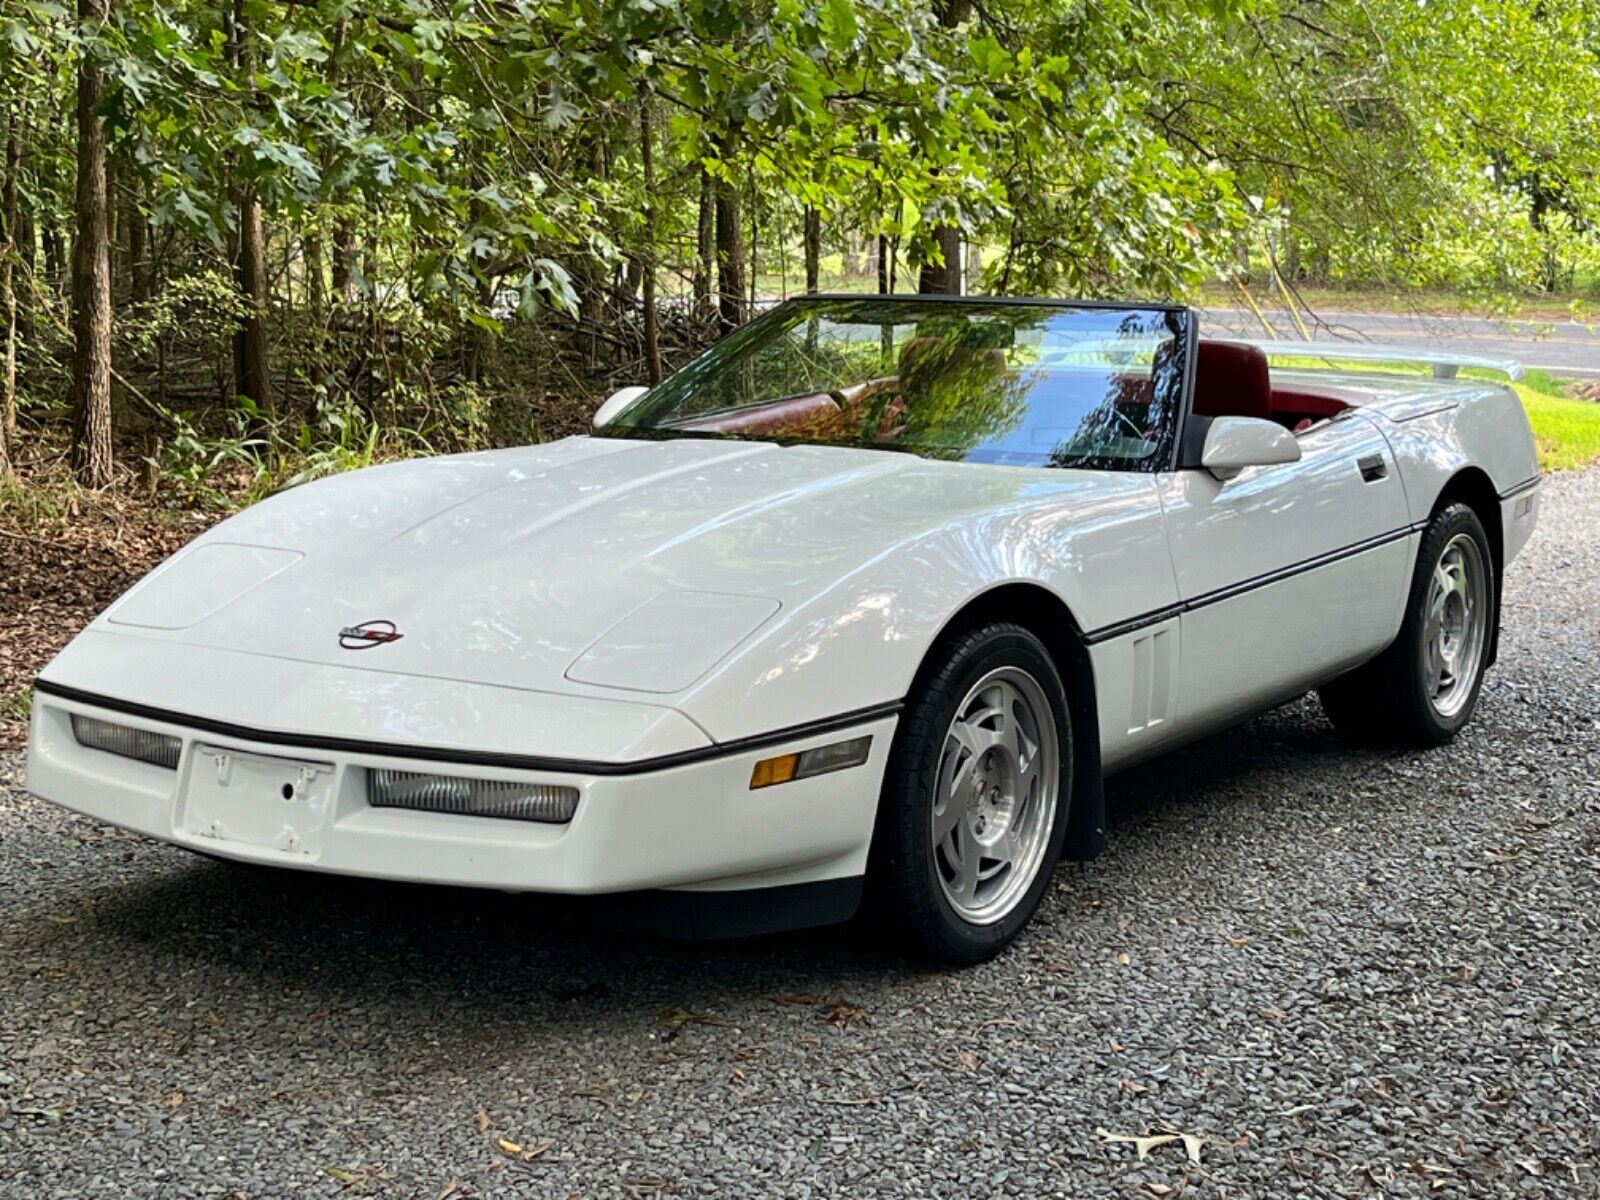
x=1439 y=433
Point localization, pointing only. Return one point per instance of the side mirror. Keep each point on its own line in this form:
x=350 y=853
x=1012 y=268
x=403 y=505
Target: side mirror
x=615 y=403
x=1234 y=443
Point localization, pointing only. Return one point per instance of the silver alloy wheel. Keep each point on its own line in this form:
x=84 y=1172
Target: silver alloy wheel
x=994 y=800
x=1455 y=625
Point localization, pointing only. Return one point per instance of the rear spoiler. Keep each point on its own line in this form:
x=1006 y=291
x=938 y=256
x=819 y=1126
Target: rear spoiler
x=1445 y=363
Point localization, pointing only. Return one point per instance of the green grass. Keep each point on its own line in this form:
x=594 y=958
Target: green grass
x=1567 y=431
x=1577 y=302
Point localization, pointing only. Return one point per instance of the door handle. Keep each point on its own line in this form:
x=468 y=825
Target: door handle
x=1373 y=468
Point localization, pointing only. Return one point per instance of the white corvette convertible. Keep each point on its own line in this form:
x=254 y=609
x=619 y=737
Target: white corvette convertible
x=863 y=603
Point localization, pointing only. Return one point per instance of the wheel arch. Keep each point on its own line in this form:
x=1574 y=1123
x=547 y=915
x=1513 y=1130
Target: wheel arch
x=1043 y=613
x=1473 y=487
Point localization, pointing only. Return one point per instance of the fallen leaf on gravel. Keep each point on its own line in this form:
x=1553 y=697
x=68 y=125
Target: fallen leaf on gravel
x=173 y=1100
x=1143 y=1145
x=511 y=1148
x=676 y=1018
x=49 y=1114
x=1273 y=1013
x=1237 y=942
x=652 y=1184
x=1500 y=854
x=481 y=1120
x=967 y=1059
x=842 y=1014
x=1133 y=1088
x=599 y=1092
x=796 y=999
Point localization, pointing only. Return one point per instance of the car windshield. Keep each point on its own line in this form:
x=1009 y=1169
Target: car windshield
x=1014 y=383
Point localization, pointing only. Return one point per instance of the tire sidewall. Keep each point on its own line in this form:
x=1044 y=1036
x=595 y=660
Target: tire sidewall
x=911 y=780
x=1448 y=524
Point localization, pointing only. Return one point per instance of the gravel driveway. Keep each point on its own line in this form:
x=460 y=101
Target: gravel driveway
x=1350 y=972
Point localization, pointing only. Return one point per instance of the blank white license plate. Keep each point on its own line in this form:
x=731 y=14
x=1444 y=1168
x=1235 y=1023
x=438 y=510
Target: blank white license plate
x=256 y=800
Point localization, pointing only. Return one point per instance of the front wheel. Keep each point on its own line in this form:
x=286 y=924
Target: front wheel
x=974 y=801
x=1422 y=690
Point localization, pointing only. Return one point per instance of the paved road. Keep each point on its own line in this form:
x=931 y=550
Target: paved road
x=1564 y=346
x=1352 y=972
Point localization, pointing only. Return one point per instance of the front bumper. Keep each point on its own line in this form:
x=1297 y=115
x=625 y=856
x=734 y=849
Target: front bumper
x=691 y=826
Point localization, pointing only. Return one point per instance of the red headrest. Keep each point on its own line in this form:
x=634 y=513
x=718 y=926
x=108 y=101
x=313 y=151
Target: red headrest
x=1231 y=380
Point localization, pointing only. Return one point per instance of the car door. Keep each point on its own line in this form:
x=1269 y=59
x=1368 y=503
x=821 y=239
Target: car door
x=1287 y=574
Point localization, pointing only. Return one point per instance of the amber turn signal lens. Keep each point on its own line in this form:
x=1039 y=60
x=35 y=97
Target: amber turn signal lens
x=819 y=760
x=773 y=770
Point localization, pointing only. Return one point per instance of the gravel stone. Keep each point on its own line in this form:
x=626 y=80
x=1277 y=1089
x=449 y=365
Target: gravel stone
x=1352 y=972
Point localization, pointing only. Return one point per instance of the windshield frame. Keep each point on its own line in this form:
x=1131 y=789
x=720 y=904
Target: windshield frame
x=1181 y=319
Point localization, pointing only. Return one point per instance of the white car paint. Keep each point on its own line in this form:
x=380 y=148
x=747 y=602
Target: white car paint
x=644 y=620
x=1234 y=443
x=1250 y=650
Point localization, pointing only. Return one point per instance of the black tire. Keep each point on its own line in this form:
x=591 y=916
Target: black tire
x=905 y=890
x=1389 y=700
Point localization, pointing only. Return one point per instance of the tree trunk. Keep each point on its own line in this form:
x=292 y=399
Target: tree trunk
x=883 y=263
x=91 y=278
x=138 y=241
x=730 y=249
x=813 y=240
x=346 y=285
x=705 y=259
x=311 y=264
x=250 y=374
x=945 y=277
x=8 y=295
x=55 y=252
x=652 y=342
x=27 y=264
x=753 y=254
x=112 y=244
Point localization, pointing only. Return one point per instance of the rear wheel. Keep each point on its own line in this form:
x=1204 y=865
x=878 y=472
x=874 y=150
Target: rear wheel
x=970 y=824
x=1423 y=689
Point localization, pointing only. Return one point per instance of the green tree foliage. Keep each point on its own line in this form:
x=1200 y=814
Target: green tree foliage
x=457 y=229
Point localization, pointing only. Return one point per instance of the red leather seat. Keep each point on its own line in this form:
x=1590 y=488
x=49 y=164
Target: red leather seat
x=816 y=415
x=1231 y=380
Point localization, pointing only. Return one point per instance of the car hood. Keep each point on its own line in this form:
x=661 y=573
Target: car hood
x=592 y=563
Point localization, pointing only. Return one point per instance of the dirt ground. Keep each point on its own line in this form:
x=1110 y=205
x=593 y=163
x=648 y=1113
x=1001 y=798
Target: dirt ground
x=63 y=560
